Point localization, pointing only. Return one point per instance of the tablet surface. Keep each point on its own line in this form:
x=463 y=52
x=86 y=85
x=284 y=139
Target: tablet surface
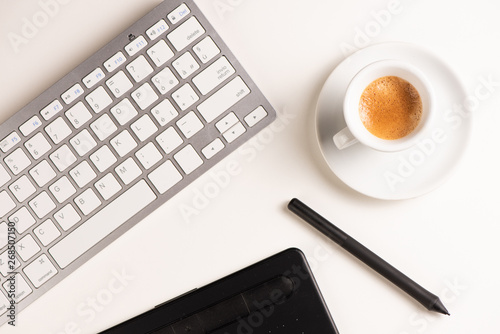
x=277 y=295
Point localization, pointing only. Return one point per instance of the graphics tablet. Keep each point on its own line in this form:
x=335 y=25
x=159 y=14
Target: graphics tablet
x=278 y=295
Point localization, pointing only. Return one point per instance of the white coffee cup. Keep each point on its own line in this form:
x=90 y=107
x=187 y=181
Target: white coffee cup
x=356 y=131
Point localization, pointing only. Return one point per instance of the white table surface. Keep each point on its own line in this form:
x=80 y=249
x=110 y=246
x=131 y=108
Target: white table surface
x=446 y=240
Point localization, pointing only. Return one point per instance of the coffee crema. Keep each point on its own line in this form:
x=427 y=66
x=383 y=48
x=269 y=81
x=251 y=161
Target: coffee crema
x=390 y=108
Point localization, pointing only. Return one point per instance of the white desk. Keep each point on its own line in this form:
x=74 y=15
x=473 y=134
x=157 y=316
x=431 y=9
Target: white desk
x=445 y=240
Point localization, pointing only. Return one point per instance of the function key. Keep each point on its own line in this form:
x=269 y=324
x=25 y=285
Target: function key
x=155 y=31
x=178 y=14
x=114 y=62
x=9 y=142
x=30 y=125
x=136 y=45
x=94 y=77
x=49 y=111
x=72 y=94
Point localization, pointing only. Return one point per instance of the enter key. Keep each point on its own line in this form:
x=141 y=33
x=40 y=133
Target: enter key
x=213 y=75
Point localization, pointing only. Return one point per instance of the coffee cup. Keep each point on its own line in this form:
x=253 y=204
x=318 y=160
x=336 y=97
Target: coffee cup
x=388 y=106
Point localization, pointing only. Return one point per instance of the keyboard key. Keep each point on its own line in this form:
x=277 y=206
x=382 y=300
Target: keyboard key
x=102 y=224
x=128 y=171
x=47 y=232
x=27 y=247
x=78 y=115
x=4 y=304
x=185 y=65
x=233 y=133
x=226 y=122
x=185 y=97
x=22 y=288
x=103 y=158
x=255 y=116
x=17 y=161
x=22 y=188
x=206 y=50
x=9 y=142
x=83 y=142
x=213 y=148
x=82 y=174
x=103 y=127
x=136 y=45
x=42 y=173
x=188 y=159
x=58 y=130
x=72 y=94
x=30 y=125
x=155 y=31
x=63 y=158
x=165 y=177
x=23 y=220
x=62 y=189
x=98 y=99
x=144 y=96
x=3 y=235
x=186 y=33
x=42 y=204
x=4 y=175
x=160 y=53
x=139 y=68
x=67 y=217
x=87 y=201
x=124 y=112
x=223 y=99
x=178 y=14
x=93 y=78
x=165 y=80
x=40 y=271
x=189 y=124
x=51 y=110
x=7 y=203
x=5 y=268
x=37 y=146
x=169 y=140
x=123 y=143
x=164 y=112
x=119 y=84
x=107 y=186
x=144 y=128
x=114 y=62
x=213 y=75
x=148 y=156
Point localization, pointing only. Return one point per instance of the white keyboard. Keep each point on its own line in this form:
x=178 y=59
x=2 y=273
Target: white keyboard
x=113 y=140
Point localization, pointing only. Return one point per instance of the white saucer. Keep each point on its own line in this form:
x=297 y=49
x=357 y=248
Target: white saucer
x=405 y=174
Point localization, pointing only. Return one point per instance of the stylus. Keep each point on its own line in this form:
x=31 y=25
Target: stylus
x=424 y=297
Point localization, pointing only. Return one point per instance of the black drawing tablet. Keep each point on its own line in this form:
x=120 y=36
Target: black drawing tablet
x=278 y=295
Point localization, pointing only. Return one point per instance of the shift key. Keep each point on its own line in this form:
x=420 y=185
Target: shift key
x=223 y=99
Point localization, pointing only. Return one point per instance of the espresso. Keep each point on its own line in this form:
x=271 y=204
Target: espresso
x=390 y=107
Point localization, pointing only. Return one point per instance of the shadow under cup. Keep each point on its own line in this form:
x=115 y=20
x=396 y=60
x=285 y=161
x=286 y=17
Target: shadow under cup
x=364 y=78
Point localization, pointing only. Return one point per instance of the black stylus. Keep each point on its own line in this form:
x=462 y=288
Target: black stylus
x=424 y=297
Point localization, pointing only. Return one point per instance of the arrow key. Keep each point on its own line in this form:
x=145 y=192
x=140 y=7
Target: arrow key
x=213 y=148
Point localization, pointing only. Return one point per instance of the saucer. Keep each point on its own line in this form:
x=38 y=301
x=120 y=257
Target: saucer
x=414 y=171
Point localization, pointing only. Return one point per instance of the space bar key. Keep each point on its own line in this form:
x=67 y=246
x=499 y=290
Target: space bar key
x=102 y=223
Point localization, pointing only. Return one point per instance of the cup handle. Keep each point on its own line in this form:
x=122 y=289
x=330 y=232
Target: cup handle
x=344 y=138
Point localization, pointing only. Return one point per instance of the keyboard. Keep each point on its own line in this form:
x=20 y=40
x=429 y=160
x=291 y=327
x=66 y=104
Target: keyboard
x=113 y=140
